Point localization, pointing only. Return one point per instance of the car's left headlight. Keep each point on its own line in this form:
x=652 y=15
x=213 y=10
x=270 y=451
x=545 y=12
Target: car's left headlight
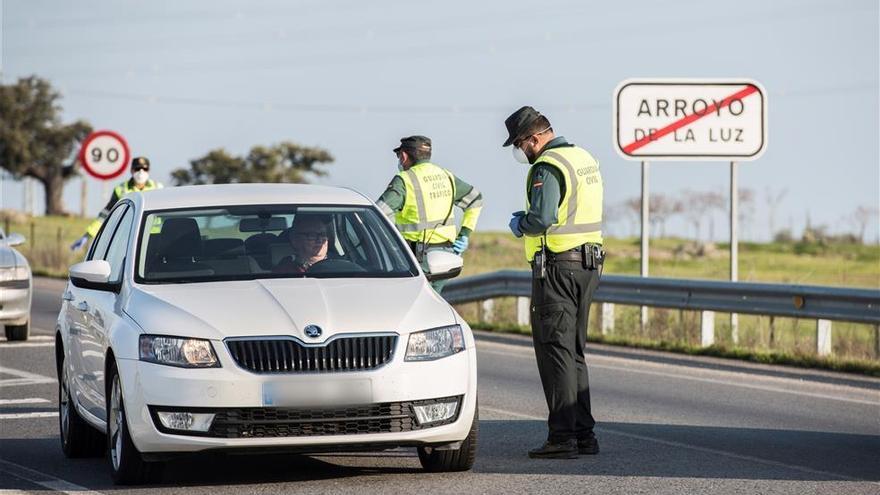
x=178 y=351
x=14 y=273
x=435 y=343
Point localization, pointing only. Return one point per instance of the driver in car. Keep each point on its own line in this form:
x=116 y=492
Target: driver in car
x=309 y=237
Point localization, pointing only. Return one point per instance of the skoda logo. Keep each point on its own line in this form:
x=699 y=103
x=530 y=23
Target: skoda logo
x=313 y=331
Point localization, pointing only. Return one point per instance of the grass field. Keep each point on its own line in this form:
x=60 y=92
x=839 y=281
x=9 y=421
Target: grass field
x=843 y=265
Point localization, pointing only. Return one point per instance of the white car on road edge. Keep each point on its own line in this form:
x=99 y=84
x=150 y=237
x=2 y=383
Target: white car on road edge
x=201 y=321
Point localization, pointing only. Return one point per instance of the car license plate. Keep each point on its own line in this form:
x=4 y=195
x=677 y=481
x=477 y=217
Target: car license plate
x=317 y=393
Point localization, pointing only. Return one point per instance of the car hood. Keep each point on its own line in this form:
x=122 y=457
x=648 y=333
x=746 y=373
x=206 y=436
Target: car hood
x=217 y=310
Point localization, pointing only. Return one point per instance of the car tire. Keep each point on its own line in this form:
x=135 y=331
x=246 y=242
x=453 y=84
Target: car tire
x=18 y=332
x=78 y=438
x=461 y=459
x=127 y=465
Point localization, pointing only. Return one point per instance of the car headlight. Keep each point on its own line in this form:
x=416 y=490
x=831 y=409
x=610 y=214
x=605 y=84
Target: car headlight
x=435 y=343
x=178 y=351
x=14 y=273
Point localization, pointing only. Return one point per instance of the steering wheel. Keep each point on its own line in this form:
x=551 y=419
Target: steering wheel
x=335 y=266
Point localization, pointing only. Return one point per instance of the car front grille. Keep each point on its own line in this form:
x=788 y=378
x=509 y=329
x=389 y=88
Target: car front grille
x=286 y=355
x=269 y=422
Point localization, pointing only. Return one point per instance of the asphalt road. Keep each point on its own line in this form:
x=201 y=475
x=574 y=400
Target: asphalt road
x=667 y=424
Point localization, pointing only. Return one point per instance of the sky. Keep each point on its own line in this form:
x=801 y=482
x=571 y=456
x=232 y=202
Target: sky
x=179 y=78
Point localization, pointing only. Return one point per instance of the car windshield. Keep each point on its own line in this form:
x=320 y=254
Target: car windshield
x=268 y=241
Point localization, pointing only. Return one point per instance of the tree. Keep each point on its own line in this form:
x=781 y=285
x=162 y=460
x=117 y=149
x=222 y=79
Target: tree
x=283 y=162
x=34 y=142
x=862 y=217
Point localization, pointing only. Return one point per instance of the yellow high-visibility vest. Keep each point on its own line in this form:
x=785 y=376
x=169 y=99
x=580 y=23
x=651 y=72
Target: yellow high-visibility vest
x=426 y=215
x=121 y=190
x=579 y=218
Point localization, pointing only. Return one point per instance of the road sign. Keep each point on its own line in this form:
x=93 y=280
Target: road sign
x=690 y=119
x=104 y=154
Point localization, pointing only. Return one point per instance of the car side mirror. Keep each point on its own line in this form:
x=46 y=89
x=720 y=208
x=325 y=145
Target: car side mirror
x=93 y=274
x=443 y=265
x=14 y=239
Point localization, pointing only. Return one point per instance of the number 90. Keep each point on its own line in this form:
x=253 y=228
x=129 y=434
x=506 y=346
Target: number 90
x=112 y=155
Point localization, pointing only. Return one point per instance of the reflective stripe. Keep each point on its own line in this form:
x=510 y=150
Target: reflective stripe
x=420 y=200
x=412 y=227
x=385 y=209
x=570 y=227
x=467 y=200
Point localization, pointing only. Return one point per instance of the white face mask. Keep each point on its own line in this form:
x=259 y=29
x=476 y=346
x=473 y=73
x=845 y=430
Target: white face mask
x=141 y=177
x=520 y=156
x=400 y=166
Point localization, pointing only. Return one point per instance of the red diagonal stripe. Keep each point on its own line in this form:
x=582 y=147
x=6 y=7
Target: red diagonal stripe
x=678 y=124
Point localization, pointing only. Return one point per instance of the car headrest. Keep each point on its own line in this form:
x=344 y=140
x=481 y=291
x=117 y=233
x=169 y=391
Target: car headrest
x=181 y=238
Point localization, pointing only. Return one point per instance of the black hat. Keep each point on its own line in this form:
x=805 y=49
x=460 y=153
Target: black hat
x=140 y=162
x=519 y=123
x=414 y=143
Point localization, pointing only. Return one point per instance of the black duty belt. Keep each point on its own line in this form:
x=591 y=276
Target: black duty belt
x=589 y=255
x=417 y=246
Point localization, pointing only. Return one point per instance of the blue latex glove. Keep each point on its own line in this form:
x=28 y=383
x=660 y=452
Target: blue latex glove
x=79 y=243
x=460 y=245
x=514 y=223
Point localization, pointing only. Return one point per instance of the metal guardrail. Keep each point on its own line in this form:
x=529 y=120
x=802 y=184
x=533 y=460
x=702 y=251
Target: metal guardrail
x=823 y=304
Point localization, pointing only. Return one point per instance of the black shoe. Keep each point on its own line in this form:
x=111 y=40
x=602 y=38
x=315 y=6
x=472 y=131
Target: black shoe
x=588 y=446
x=550 y=450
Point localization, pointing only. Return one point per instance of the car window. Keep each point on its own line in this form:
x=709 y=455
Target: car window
x=99 y=246
x=269 y=241
x=116 y=251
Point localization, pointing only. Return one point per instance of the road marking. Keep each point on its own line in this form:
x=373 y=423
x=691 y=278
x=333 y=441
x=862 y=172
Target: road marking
x=22 y=378
x=33 y=400
x=26 y=344
x=30 y=415
x=32 y=338
x=45 y=480
x=716 y=381
x=682 y=445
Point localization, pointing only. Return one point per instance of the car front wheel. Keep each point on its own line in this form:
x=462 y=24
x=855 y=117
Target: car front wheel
x=461 y=459
x=127 y=466
x=78 y=439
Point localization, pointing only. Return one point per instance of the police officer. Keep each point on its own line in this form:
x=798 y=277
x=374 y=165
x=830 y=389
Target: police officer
x=561 y=227
x=420 y=200
x=139 y=181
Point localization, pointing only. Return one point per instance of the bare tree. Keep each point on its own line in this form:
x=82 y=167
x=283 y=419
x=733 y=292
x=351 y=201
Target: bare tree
x=633 y=209
x=773 y=200
x=746 y=209
x=662 y=209
x=862 y=217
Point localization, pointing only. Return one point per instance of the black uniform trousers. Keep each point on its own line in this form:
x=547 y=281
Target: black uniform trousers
x=559 y=316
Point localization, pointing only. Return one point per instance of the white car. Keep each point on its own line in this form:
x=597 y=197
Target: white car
x=15 y=288
x=260 y=316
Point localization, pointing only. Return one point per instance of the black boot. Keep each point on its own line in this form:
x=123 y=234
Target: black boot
x=550 y=450
x=588 y=445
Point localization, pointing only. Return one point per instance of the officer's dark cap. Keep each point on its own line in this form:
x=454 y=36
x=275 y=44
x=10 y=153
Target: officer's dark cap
x=140 y=162
x=520 y=123
x=414 y=143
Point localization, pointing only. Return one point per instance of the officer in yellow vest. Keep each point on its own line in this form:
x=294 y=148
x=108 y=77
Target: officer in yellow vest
x=562 y=229
x=420 y=201
x=139 y=181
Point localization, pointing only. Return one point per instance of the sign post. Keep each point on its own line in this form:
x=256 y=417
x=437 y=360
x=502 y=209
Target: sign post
x=690 y=120
x=104 y=155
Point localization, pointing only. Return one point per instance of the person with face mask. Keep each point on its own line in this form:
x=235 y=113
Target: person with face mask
x=420 y=201
x=139 y=181
x=562 y=230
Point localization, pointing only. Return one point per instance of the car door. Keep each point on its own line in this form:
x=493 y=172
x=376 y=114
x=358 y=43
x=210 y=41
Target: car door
x=99 y=312
x=76 y=307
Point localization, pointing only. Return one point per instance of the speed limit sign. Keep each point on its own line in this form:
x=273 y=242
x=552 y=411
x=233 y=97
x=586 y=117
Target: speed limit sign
x=104 y=154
